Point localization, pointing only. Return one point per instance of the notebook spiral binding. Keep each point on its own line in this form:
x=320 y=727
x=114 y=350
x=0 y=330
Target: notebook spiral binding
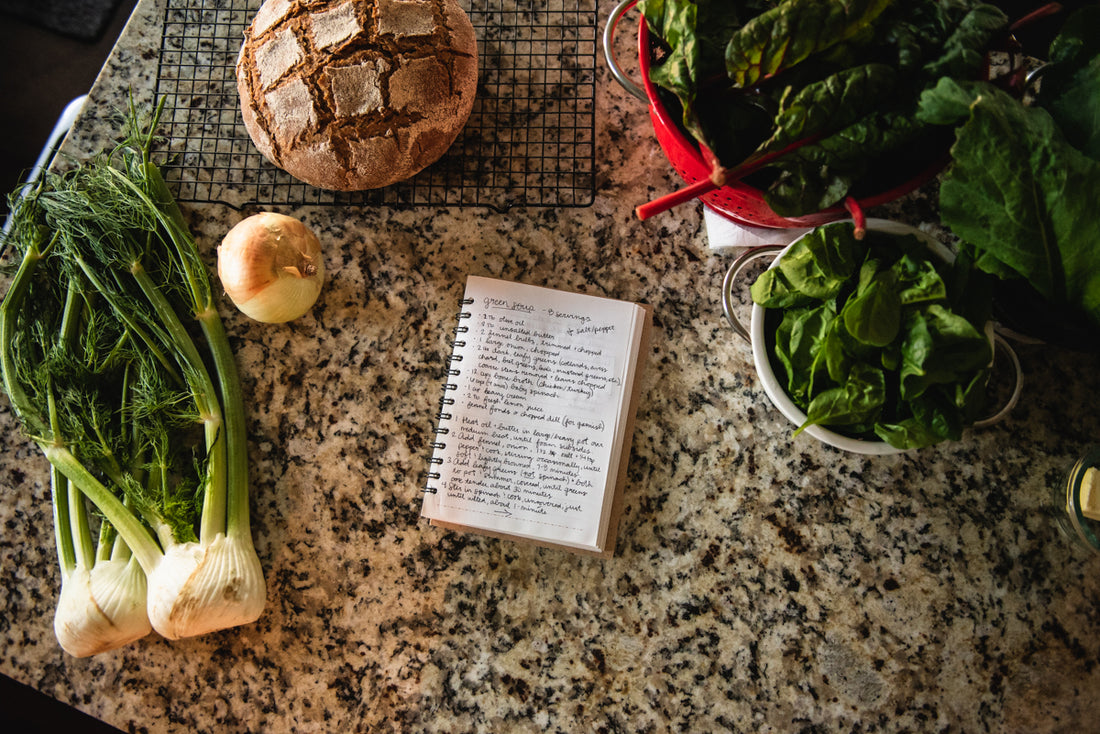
x=443 y=415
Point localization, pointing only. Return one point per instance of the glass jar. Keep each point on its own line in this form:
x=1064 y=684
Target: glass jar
x=1083 y=531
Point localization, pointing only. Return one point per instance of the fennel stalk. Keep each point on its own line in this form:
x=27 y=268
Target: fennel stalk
x=161 y=451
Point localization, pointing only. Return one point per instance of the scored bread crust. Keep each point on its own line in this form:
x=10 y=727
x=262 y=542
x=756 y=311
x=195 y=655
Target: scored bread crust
x=356 y=94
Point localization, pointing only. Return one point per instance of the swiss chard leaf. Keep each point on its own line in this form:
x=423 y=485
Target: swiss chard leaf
x=973 y=29
x=793 y=31
x=819 y=175
x=1019 y=194
x=754 y=77
x=1070 y=83
x=830 y=104
x=696 y=34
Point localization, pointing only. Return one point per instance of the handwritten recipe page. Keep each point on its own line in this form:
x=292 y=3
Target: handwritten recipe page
x=534 y=417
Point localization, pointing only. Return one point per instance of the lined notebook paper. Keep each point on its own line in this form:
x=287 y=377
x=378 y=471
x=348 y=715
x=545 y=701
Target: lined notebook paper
x=537 y=416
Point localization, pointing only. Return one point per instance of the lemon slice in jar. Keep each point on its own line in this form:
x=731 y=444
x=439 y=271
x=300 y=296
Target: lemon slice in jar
x=1090 y=493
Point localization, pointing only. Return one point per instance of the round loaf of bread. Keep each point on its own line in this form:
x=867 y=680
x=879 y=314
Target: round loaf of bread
x=356 y=94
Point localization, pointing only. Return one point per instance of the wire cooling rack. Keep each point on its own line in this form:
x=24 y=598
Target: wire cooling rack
x=530 y=140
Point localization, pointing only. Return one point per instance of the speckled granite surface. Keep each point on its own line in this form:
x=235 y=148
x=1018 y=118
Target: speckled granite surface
x=761 y=583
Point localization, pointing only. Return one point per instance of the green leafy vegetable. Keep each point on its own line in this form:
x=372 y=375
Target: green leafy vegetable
x=1071 y=81
x=858 y=400
x=792 y=32
x=817 y=98
x=1019 y=193
x=695 y=34
x=872 y=315
x=815 y=267
x=938 y=348
x=830 y=104
x=868 y=338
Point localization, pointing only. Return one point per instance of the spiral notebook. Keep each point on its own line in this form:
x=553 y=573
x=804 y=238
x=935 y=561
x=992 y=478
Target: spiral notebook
x=537 y=416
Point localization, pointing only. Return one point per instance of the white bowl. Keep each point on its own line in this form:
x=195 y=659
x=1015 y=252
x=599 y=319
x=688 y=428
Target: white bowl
x=774 y=389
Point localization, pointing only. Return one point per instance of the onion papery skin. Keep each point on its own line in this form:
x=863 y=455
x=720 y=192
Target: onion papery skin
x=203 y=587
x=272 y=267
x=102 y=608
x=283 y=300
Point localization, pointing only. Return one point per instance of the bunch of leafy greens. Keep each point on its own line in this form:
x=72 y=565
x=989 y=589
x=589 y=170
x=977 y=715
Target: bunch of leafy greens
x=879 y=336
x=821 y=96
x=116 y=362
x=1024 y=181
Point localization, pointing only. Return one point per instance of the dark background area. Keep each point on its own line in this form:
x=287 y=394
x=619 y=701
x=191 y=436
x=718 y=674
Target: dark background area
x=50 y=53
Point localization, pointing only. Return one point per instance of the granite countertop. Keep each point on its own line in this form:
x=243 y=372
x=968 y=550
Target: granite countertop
x=761 y=583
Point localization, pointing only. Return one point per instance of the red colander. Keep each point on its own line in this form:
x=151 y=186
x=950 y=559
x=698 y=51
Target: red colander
x=733 y=199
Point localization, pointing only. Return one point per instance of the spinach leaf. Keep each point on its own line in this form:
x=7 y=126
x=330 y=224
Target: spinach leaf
x=969 y=289
x=941 y=413
x=799 y=343
x=873 y=345
x=819 y=263
x=859 y=400
x=939 y=347
x=919 y=281
x=793 y=31
x=938 y=411
x=872 y=316
x=908 y=433
x=971 y=397
x=772 y=289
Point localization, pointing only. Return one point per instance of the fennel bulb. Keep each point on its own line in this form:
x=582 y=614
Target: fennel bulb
x=101 y=608
x=197 y=588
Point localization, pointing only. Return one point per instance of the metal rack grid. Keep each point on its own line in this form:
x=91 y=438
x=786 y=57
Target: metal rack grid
x=530 y=140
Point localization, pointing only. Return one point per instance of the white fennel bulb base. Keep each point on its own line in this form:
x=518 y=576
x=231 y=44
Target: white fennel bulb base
x=202 y=587
x=102 y=608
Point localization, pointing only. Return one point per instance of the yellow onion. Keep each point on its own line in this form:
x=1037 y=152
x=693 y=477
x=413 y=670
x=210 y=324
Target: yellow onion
x=271 y=267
